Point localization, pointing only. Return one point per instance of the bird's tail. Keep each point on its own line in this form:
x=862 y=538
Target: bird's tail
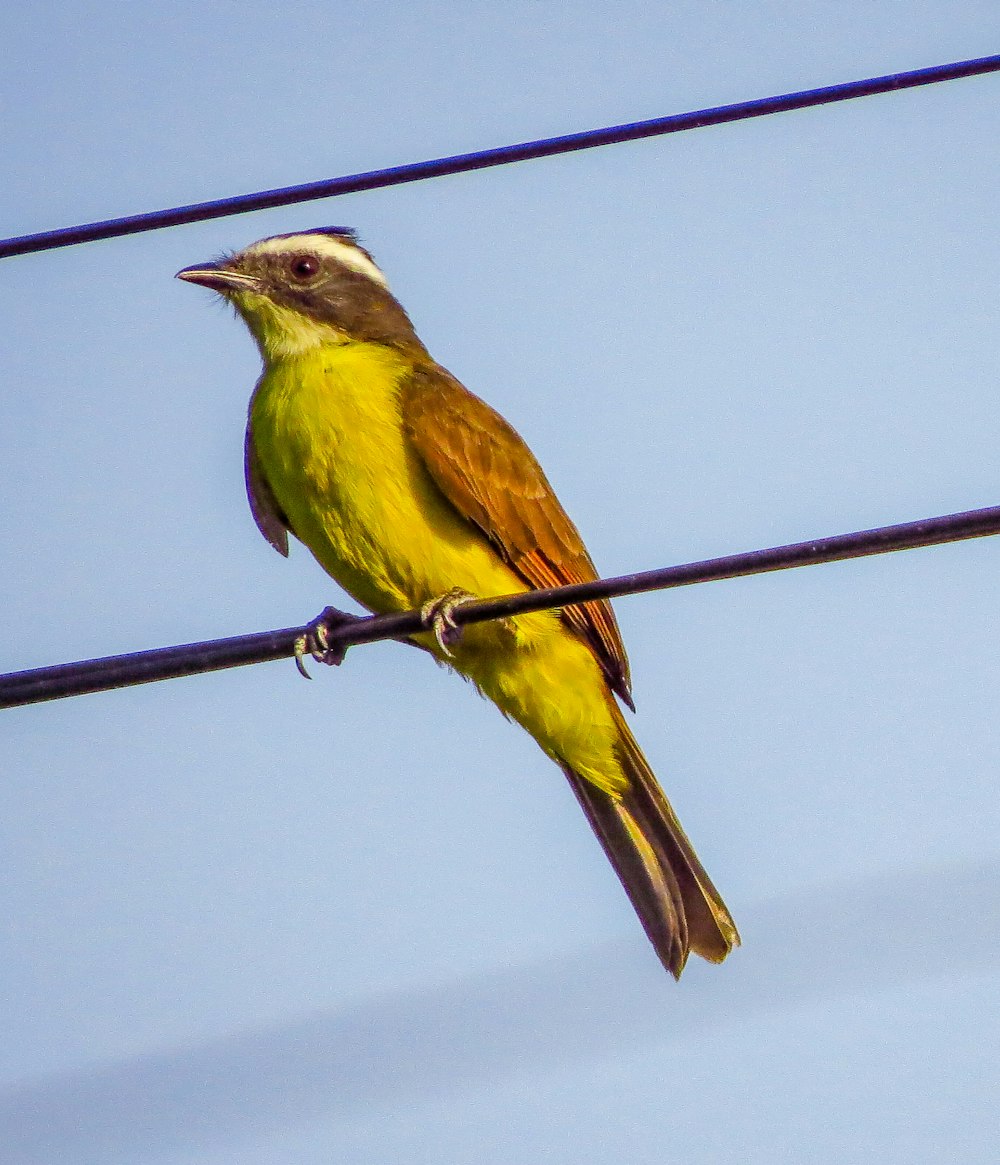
x=677 y=904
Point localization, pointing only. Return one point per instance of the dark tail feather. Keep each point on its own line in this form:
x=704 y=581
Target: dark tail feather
x=677 y=904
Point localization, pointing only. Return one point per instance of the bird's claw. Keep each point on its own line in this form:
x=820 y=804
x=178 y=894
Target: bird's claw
x=316 y=641
x=437 y=615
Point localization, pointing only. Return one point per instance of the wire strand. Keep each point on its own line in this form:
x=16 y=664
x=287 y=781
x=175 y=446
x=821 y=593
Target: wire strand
x=501 y=156
x=98 y=675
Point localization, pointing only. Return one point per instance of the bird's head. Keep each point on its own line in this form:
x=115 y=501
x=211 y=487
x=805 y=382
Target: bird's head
x=307 y=290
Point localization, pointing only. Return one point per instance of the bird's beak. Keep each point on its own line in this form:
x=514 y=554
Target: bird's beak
x=218 y=277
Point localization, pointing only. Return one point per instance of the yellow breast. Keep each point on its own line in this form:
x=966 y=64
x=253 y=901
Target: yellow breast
x=328 y=429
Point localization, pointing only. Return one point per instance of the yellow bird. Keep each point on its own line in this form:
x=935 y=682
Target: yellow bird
x=412 y=493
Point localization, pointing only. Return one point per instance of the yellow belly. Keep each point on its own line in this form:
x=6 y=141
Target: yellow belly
x=327 y=428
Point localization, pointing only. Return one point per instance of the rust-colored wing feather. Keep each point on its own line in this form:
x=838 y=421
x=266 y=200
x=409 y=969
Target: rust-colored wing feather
x=484 y=468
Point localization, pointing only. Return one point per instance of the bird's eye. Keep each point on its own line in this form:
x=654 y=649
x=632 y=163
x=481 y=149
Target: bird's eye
x=303 y=267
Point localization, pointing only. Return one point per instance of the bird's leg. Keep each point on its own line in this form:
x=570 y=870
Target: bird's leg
x=315 y=639
x=437 y=615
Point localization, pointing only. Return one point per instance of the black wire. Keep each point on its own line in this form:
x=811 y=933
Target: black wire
x=97 y=675
x=481 y=159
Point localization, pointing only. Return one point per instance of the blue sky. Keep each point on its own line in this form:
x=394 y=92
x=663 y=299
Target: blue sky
x=252 y=919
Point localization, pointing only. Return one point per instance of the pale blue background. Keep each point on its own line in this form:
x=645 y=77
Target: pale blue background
x=250 y=919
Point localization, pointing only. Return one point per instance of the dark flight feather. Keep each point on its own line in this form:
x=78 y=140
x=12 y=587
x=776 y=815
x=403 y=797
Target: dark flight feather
x=271 y=522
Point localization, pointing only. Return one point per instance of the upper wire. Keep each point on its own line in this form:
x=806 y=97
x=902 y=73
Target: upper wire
x=501 y=156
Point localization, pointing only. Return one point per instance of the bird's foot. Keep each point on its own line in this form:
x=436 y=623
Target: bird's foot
x=316 y=639
x=438 y=616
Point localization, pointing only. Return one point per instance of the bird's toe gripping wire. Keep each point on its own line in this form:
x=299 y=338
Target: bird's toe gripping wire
x=316 y=640
x=438 y=615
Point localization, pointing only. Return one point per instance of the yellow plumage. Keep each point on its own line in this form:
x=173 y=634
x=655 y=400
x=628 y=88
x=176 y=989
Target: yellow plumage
x=328 y=431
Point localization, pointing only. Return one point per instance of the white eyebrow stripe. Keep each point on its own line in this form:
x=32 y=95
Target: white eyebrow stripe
x=339 y=250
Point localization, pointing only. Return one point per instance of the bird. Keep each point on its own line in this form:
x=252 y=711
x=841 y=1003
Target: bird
x=413 y=493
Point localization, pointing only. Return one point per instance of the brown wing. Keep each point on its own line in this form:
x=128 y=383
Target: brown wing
x=271 y=522
x=481 y=464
